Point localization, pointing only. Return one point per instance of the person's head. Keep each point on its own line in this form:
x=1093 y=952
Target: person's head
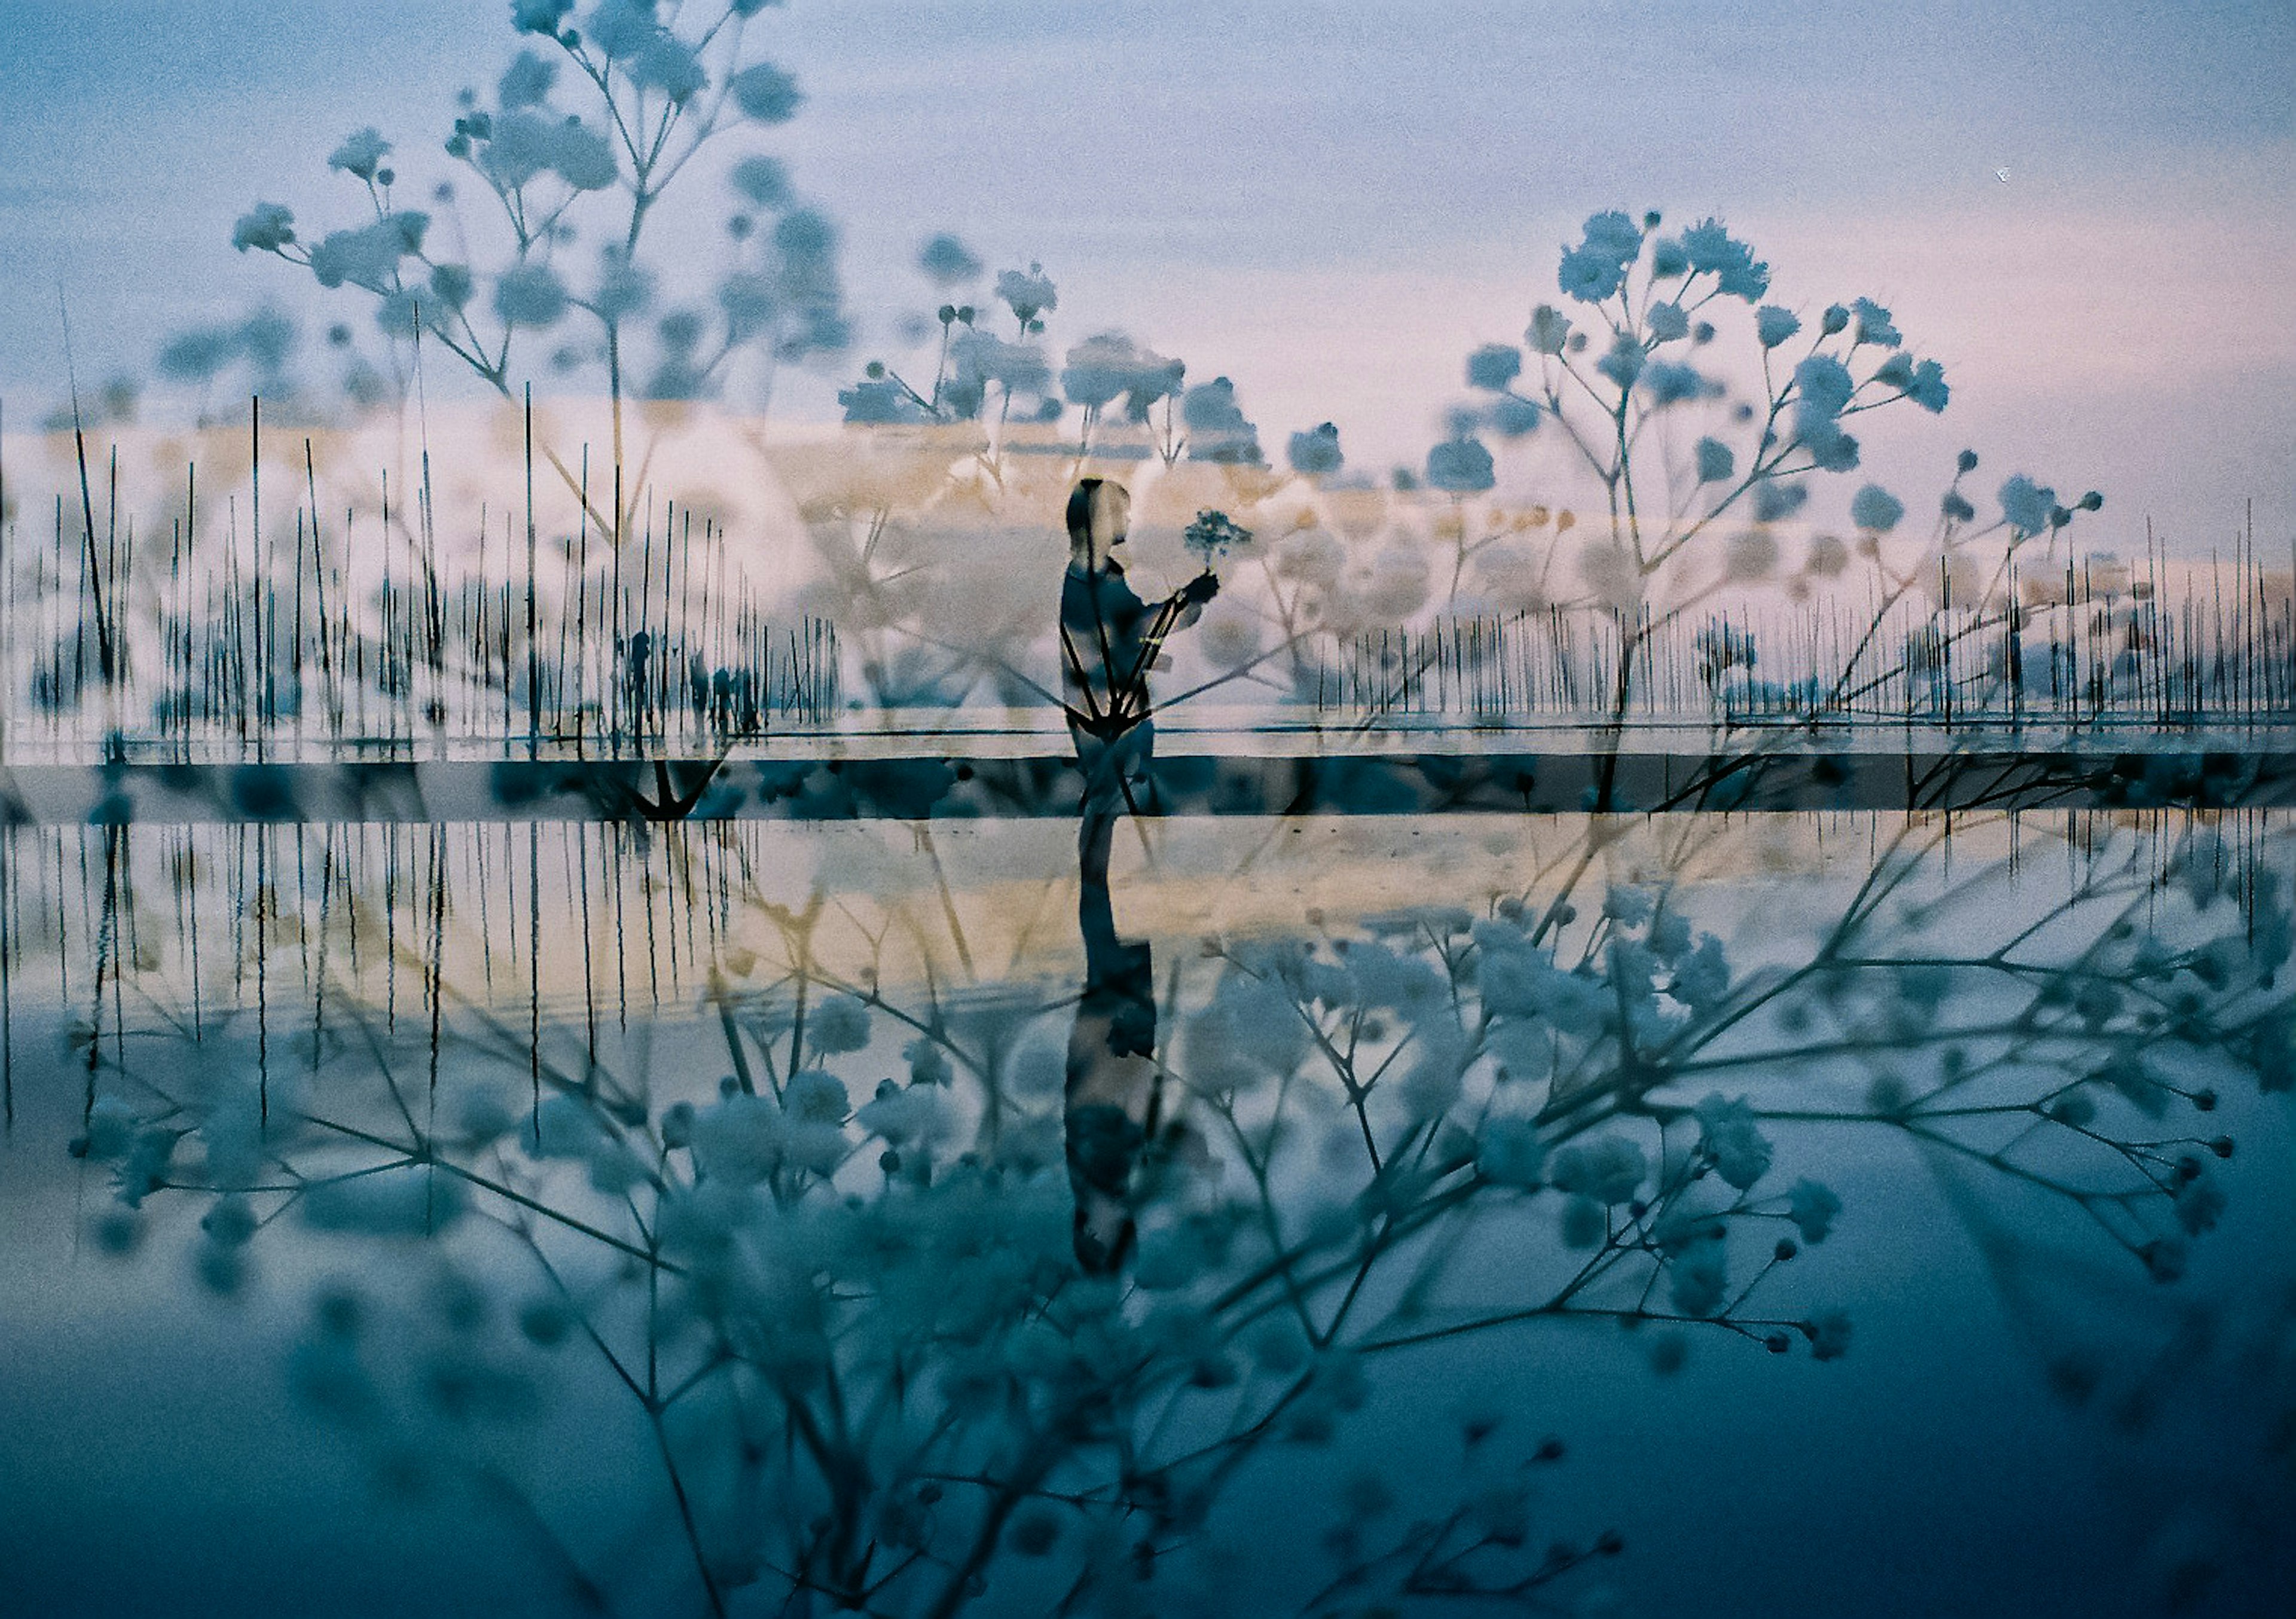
x=1099 y=513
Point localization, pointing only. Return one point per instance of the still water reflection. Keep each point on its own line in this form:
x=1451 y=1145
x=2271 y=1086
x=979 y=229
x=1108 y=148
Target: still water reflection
x=1704 y=1213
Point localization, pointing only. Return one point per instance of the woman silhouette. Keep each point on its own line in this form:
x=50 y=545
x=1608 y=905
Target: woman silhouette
x=1109 y=640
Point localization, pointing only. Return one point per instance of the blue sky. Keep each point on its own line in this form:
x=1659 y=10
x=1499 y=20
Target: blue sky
x=1331 y=204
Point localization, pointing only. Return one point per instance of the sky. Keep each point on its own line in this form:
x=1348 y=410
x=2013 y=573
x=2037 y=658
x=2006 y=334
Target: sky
x=1330 y=204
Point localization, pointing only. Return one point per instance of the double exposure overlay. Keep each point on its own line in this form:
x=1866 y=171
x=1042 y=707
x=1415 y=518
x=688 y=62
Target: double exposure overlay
x=860 y=807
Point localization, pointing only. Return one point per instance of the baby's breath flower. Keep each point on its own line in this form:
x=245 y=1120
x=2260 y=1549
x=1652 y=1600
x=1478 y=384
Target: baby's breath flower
x=1774 y=501
x=2199 y=1203
x=1104 y=368
x=1584 y=1222
x=913 y=1115
x=1729 y=1135
x=1627 y=905
x=1670 y=383
x=1549 y=329
x=1822 y=388
x=1873 y=324
x=948 y=263
x=1597 y=267
x=1829 y=448
x=1460 y=466
x=761 y=179
x=1493 y=366
x=2026 y=505
x=1713 y=249
x=1624 y=362
x=529 y=295
x=1028 y=293
x=1607 y=1170
x=1218 y=429
x=841 y=1023
x=764 y=92
x=368 y=256
x=1316 y=452
x=539 y=16
x=1812 y=1206
x=361 y=154
x=1928 y=387
x=667 y=63
x=1828 y=1332
x=1508 y=1152
x=1512 y=417
x=1876 y=509
x=1698 y=1272
x=527 y=82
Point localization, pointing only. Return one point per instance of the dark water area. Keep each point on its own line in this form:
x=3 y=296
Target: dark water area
x=963 y=773
x=1731 y=1215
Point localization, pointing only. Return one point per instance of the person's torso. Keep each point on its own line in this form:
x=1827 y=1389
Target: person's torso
x=1105 y=629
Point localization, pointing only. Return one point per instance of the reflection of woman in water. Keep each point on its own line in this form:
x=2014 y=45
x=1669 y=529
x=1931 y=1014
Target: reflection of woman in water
x=1110 y=639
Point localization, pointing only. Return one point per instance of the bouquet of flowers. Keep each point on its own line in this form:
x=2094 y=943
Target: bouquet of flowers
x=1213 y=534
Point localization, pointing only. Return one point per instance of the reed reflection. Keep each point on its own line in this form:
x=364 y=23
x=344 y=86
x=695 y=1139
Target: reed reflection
x=847 y=1308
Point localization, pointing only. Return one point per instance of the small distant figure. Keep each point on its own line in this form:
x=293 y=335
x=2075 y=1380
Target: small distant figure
x=1109 y=641
x=2001 y=174
x=1110 y=638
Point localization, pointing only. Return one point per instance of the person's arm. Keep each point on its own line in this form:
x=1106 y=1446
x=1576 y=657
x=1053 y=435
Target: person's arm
x=1177 y=611
x=1190 y=598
